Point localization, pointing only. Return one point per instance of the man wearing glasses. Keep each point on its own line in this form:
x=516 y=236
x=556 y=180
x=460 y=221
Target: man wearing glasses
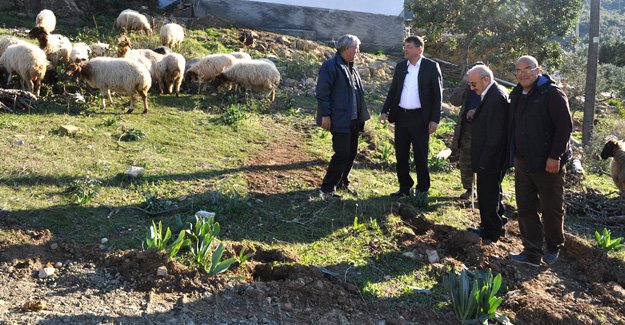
x=488 y=149
x=541 y=128
x=414 y=104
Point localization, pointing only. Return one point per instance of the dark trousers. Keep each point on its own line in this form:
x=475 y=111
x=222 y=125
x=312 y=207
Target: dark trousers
x=464 y=153
x=489 y=198
x=412 y=129
x=345 y=146
x=540 y=193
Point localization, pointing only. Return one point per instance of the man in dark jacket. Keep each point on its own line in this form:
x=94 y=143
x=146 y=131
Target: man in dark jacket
x=341 y=109
x=414 y=104
x=488 y=149
x=541 y=127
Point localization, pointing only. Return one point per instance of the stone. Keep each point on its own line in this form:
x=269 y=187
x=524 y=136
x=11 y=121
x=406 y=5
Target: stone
x=54 y=246
x=134 y=171
x=68 y=129
x=204 y=214
x=46 y=272
x=364 y=73
x=409 y=254
x=104 y=240
x=58 y=265
x=287 y=306
x=161 y=271
x=432 y=256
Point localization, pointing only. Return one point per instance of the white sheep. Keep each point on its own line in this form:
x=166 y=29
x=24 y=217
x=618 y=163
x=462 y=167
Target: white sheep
x=116 y=74
x=80 y=52
x=147 y=57
x=210 y=67
x=29 y=62
x=169 y=72
x=56 y=46
x=616 y=149
x=252 y=74
x=7 y=41
x=241 y=55
x=46 y=20
x=130 y=20
x=172 y=35
x=99 y=49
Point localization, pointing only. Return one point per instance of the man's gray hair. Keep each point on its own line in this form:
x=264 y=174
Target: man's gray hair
x=346 y=42
x=528 y=58
x=483 y=70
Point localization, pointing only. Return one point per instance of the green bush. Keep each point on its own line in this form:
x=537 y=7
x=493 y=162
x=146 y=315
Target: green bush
x=605 y=242
x=472 y=296
x=83 y=191
x=234 y=114
x=303 y=65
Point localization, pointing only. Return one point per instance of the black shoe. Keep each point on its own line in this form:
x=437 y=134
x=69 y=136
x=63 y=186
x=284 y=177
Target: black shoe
x=525 y=259
x=329 y=196
x=487 y=236
x=551 y=257
x=400 y=194
x=468 y=194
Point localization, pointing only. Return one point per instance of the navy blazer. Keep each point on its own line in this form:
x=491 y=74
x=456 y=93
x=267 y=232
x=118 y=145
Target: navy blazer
x=430 y=90
x=489 y=131
x=335 y=97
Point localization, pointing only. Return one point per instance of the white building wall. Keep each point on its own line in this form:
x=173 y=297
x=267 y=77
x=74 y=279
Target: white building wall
x=380 y=7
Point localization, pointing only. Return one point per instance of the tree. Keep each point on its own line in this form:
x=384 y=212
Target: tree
x=498 y=31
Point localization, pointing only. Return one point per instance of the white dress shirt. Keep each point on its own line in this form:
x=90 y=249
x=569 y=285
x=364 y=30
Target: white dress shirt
x=486 y=89
x=410 y=92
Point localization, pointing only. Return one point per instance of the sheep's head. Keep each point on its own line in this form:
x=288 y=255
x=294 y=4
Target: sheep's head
x=610 y=148
x=191 y=75
x=123 y=50
x=73 y=69
x=38 y=33
x=220 y=80
x=162 y=50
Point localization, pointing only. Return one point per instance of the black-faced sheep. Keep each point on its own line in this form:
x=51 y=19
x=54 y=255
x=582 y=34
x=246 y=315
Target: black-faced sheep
x=616 y=149
x=252 y=75
x=172 y=35
x=57 y=47
x=29 y=62
x=169 y=72
x=129 y=20
x=46 y=20
x=116 y=74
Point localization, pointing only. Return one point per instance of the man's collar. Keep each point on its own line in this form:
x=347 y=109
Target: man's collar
x=417 y=64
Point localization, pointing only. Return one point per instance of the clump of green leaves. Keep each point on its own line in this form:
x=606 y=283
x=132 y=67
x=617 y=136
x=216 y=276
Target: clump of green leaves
x=472 y=296
x=83 y=191
x=387 y=152
x=605 y=241
x=420 y=199
x=132 y=135
x=323 y=134
x=233 y=114
x=158 y=240
x=439 y=165
x=203 y=236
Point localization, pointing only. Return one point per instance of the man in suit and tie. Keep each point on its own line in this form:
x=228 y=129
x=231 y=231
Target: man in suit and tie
x=414 y=104
x=489 y=149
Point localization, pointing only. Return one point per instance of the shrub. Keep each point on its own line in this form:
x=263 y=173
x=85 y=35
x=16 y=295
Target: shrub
x=233 y=114
x=132 y=135
x=303 y=65
x=83 y=191
x=605 y=242
x=473 y=296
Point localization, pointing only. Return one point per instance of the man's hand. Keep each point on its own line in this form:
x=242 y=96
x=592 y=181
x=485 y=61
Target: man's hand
x=383 y=118
x=432 y=127
x=470 y=115
x=553 y=166
x=326 y=123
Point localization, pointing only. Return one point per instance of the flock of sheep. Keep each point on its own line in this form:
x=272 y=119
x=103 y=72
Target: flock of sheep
x=133 y=71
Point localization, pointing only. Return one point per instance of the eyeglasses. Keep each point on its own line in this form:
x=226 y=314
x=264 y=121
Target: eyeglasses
x=524 y=70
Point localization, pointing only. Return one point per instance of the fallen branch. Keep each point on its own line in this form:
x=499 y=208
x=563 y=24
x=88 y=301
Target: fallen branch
x=15 y=99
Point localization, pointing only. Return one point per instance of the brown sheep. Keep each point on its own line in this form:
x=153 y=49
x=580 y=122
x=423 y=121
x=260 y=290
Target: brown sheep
x=616 y=149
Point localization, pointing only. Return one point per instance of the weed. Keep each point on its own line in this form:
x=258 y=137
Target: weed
x=158 y=240
x=473 y=296
x=131 y=134
x=358 y=227
x=387 y=152
x=605 y=242
x=419 y=199
x=233 y=114
x=202 y=235
x=83 y=191
x=323 y=134
x=440 y=165
x=616 y=103
x=110 y=122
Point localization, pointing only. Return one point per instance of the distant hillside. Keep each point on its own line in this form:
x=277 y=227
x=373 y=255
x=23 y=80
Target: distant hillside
x=612 y=21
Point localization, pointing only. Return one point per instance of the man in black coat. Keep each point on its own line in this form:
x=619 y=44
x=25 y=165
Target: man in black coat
x=414 y=104
x=489 y=149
